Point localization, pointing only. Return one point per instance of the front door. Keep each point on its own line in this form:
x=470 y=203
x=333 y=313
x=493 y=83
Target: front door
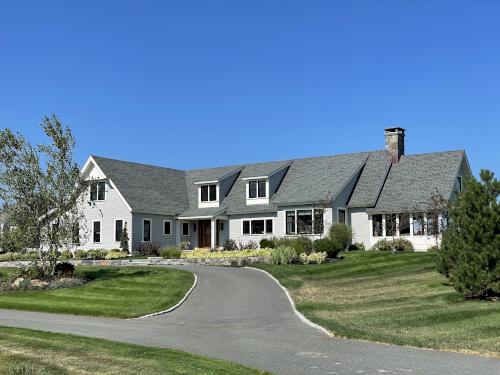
x=204 y=233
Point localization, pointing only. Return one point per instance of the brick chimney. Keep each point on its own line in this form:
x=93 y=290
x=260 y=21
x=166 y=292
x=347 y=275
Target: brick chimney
x=395 y=143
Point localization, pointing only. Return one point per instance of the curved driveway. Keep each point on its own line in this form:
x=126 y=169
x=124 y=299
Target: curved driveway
x=242 y=315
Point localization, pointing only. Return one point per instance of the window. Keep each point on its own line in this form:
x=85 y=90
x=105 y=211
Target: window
x=377 y=225
x=97 y=231
x=118 y=230
x=459 y=183
x=185 y=229
x=257 y=189
x=390 y=225
x=304 y=221
x=432 y=226
x=341 y=216
x=418 y=225
x=221 y=226
x=98 y=191
x=246 y=227
x=290 y=222
x=167 y=227
x=146 y=230
x=404 y=224
x=208 y=193
x=318 y=221
x=269 y=226
x=257 y=226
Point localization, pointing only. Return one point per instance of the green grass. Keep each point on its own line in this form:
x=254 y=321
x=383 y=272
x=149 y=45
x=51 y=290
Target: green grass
x=392 y=298
x=121 y=292
x=31 y=352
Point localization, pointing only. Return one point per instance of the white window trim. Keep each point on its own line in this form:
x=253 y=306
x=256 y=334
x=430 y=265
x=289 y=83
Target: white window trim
x=182 y=229
x=123 y=226
x=250 y=228
x=266 y=181
x=90 y=190
x=345 y=215
x=150 y=230
x=167 y=221
x=296 y=222
x=100 y=230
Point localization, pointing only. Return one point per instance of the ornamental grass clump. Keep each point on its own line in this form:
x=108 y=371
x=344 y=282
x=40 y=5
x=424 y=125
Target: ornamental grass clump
x=207 y=254
x=283 y=255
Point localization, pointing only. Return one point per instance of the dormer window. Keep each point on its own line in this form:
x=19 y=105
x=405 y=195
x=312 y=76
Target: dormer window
x=257 y=189
x=208 y=193
x=98 y=191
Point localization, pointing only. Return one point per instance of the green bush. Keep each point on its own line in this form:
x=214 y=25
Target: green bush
x=116 y=254
x=230 y=245
x=301 y=244
x=171 y=253
x=402 y=245
x=267 y=243
x=149 y=249
x=64 y=269
x=341 y=234
x=65 y=255
x=382 y=245
x=97 y=254
x=357 y=246
x=80 y=254
x=30 y=271
x=283 y=255
x=326 y=245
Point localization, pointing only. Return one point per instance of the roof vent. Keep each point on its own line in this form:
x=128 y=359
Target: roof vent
x=395 y=143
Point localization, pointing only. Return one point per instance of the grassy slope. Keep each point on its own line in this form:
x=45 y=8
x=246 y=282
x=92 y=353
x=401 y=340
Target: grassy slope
x=397 y=299
x=49 y=353
x=113 y=292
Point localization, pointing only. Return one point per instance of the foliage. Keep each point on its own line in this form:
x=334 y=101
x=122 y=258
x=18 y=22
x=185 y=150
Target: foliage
x=357 y=246
x=149 y=249
x=80 y=254
x=116 y=254
x=301 y=244
x=42 y=189
x=96 y=254
x=12 y=240
x=283 y=255
x=435 y=207
x=185 y=245
x=64 y=269
x=317 y=258
x=170 y=253
x=331 y=248
x=341 y=234
x=204 y=254
x=229 y=245
x=267 y=243
x=124 y=239
x=65 y=255
x=7 y=257
x=470 y=250
x=402 y=244
x=30 y=271
x=249 y=245
x=382 y=245
x=433 y=249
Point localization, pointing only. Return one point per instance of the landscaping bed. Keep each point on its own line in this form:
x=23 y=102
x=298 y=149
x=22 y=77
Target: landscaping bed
x=31 y=352
x=392 y=298
x=121 y=292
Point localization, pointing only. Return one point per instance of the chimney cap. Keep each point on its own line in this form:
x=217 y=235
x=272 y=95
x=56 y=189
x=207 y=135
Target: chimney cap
x=394 y=129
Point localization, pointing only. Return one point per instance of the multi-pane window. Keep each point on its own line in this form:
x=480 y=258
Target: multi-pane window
x=98 y=191
x=146 y=230
x=290 y=222
x=418 y=225
x=304 y=221
x=341 y=217
x=319 y=227
x=258 y=226
x=391 y=225
x=96 y=232
x=208 y=193
x=167 y=228
x=118 y=230
x=432 y=226
x=377 y=225
x=257 y=189
x=185 y=229
x=404 y=224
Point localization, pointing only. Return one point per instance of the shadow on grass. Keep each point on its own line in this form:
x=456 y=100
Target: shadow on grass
x=111 y=273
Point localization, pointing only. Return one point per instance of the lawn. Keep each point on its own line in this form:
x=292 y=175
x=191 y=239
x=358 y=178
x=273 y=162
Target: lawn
x=121 y=292
x=392 y=298
x=25 y=351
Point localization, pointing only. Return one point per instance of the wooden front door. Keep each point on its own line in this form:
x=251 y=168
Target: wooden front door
x=204 y=233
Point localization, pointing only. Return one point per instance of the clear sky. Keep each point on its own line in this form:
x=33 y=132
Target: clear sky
x=190 y=84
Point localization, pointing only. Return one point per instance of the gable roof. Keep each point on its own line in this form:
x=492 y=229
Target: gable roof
x=147 y=188
x=411 y=182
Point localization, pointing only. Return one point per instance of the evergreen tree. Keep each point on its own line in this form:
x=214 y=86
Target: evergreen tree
x=124 y=239
x=470 y=254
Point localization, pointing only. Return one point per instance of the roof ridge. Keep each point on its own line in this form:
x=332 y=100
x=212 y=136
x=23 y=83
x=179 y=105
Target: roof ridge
x=136 y=163
x=436 y=152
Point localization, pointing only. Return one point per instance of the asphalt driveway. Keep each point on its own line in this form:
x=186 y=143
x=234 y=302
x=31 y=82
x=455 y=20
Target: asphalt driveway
x=242 y=315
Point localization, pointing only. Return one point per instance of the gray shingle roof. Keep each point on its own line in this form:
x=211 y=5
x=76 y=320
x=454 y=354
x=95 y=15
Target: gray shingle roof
x=147 y=188
x=371 y=181
x=412 y=181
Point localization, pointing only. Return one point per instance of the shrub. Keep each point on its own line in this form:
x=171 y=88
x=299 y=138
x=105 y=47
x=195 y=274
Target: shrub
x=97 y=254
x=185 y=245
x=382 y=245
x=249 y=245
x=171 y=253
x=65 y=255
x=267 y=243
x=66 y=283
x=433 y=249
x=30 y=271
x=402 y=244
x=303 y=258
x=149 y=249
x=357 y=246
x=301 y=244
x=116 y=254
x=203 y=253
x=64 y=269
x=317 y=258
x=326 y=245
x=80 y=254
x=341 y=234
x=283 y=255
x=230 y=245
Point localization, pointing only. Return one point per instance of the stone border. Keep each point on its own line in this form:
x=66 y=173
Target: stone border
x=297 y=312
x=173 y=307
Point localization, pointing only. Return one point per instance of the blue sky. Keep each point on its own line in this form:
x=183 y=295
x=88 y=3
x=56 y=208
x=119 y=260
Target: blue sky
x=203 y=83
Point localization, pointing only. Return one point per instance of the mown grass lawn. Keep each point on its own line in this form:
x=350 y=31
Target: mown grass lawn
x=25 y=351
x=121 y=292
x=392 y=298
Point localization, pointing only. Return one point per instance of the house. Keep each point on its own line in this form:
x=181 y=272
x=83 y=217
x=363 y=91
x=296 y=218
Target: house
x=281 y=198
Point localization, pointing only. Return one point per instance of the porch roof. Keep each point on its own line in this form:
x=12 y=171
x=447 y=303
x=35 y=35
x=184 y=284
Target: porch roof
x=202 y=213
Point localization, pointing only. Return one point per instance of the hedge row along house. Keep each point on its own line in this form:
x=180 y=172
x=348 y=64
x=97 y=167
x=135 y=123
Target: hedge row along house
x=247 y=202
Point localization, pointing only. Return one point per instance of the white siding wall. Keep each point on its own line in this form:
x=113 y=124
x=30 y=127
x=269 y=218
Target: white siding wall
x=236 y=227
x=361 y=226
x=156 y=229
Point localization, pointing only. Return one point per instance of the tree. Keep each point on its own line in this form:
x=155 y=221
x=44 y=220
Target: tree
x=470 y=249
x=435 y=208
x=322 y=205
x=42 y=199
x=396 y=224
x=124 y=239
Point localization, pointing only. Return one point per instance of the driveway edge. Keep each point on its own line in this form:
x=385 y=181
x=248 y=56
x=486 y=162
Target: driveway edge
x=195 y=282
x=297 y=312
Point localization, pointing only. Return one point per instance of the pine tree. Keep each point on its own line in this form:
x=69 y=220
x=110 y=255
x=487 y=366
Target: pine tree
x=470 y=254
x=124 y=239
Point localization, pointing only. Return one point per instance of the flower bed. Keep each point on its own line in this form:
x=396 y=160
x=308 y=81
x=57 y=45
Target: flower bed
x=235 y=254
